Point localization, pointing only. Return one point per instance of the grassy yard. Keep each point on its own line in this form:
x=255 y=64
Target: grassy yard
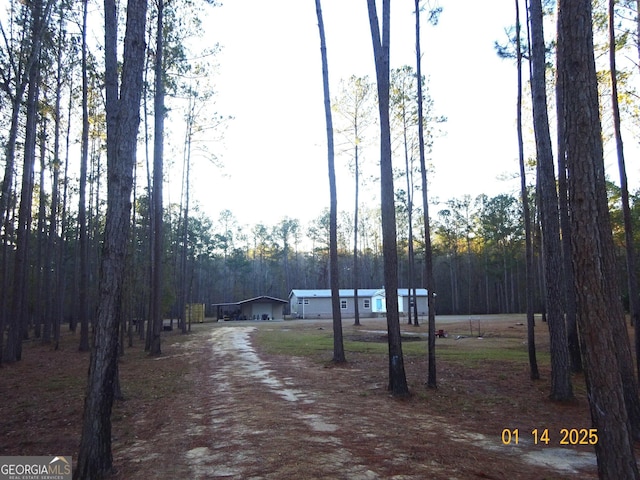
x=502 y=340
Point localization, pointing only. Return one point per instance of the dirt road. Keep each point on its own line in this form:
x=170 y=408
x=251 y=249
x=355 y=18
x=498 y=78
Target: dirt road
x=269 y=417
x=278 y=425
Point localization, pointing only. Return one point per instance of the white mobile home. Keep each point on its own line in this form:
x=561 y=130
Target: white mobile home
x=371 y=302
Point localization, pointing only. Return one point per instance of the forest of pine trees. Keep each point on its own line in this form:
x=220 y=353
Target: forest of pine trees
x=88 y=244
x=54 y=205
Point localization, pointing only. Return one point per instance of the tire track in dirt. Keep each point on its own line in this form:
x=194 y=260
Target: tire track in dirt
x=259 y=421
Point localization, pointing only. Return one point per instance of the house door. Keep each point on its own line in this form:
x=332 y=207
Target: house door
x=379 y=305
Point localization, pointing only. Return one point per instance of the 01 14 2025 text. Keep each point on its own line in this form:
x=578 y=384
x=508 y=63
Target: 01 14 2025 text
x=543 y=436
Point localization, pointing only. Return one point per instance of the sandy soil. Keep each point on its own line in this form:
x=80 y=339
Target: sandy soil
x=259 y=416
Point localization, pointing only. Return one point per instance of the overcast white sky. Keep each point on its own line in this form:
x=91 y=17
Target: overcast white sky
x=270 y=80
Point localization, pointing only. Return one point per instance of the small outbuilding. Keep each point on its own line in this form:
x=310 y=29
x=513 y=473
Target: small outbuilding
x=371 y=302
x=257 y=308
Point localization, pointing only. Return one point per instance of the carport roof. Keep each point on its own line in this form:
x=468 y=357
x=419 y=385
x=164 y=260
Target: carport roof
x=262 y=298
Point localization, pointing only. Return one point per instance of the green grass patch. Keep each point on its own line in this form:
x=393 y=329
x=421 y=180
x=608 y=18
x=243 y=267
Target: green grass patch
x=297 y=343
x=472 y=352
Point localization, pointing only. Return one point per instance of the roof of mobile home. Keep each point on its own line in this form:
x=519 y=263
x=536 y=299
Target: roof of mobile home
x=349 y=292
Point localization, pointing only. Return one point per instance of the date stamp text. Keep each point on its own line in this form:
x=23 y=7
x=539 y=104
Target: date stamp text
x=545 y=436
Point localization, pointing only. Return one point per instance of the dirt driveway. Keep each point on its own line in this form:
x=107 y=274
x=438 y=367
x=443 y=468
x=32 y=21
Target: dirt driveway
x=259 y=416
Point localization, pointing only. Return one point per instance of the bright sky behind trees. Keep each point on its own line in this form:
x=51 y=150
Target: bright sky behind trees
x=270 y=80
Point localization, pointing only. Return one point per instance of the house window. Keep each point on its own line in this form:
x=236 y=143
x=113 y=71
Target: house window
x=306 y=301
x=299 y=301
x=366 y=303
x=343 y=304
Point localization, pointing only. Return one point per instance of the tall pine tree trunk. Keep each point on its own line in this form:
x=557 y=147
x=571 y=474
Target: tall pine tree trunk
x=534 y=374
x=39 y=301
x=561 y=388
x=184 y=254
x=411 y=262
x=397 y=377
x=356 y=266
x=600 y=315
x=83 y=240
x=570 y=296
x=338 y=344
x=95 y=459
x=428 y=253
x=156 y=223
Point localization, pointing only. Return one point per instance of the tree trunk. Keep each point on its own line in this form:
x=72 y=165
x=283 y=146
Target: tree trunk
x=356 y=267
x=600 y=315
x=183 y=289
x=157 y=226
x=410 y=275
x=39 y=302
x=338 y=344
x=83 y=240
x=428 y=252
x=570 y=297
x=397 y=378
x=184 y=265
x=529 y=273
x=561 y=388
x=94 y=456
